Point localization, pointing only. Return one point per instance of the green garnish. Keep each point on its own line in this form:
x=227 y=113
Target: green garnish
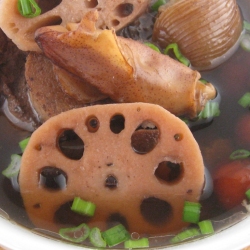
x=23 y=144
x=206 y=227
x=187 y=234
x=203 y=80
x=191 y=212
x=210 y=110
x=157 y=4
x=239 y=154
x=140 y=243
x=246 y=25
x=177 y=53
x=152 y=46
x=96 y=239
x=245 y=42
x=83 y=207
x=75 y=234
x=116 y=235
x=244 y=101
x=28 y=8
x=14 y=166
x=247 y=193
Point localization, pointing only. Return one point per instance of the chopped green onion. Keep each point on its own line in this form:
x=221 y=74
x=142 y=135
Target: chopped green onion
x=187 y=234
x=191 y=212
x=244 y=101
x=96 y=239
x=24 y=143
x=75 y=234
x=239 y=154
x=203 y=80
x=116 y=235
x=140 y=243
x=245 y=42
x=157 y=4
x=210 y=110
x=28 y=8
x=206 y=227
x=248 y=194
x=83 y=207
x=152 y=46
x=14 y=166
x=246 y=25
x=177 y=53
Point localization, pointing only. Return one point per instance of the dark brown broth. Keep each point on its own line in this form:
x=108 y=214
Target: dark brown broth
x=232 y=80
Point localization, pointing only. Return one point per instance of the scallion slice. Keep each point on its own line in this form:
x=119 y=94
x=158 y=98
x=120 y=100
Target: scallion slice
x=14 y=166
x=247 y=193
x=28 y=8
x=116 y=235
x=245 y=42
x=187 y=234
x=206 y=227
x=152 y=46
x=23 y=144
x=244 y=101
x=246 y=25
x=157 y=4
x=75 y=234
x=140 y=243
x=177 y=53
x=239 y=154
x=95 y=237
x=83 y=207
x=191 y=212
x=210 y=110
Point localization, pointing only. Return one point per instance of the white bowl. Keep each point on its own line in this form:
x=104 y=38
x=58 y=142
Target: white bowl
x=15 y=237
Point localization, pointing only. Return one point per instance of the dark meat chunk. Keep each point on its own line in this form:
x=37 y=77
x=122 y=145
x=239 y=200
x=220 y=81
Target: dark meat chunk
x=45 y=93
x=13 y=86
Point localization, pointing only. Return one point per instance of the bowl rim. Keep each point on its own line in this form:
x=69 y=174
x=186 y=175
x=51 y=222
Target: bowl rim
x=12 y=237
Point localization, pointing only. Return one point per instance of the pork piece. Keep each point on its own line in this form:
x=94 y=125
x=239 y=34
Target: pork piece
x=134 y=161
x=123 y=69
x=46 y=95
x=113 y=14
x=13 y=87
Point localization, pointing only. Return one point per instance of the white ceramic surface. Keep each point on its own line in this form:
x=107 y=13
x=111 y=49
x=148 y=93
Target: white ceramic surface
x=14 y=237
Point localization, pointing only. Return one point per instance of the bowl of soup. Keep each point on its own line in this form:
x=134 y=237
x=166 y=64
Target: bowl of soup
x=125 y=125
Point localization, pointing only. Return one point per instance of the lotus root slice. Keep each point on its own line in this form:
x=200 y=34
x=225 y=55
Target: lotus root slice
x=136 y=162
x=112 y=14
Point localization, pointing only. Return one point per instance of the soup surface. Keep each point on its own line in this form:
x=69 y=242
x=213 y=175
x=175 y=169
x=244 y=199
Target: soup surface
x=217 y=138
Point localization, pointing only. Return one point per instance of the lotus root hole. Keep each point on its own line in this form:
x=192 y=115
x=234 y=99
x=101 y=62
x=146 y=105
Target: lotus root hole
x=111 y=182
x=37 y=206
x=169 y=172
x=64 y=215
x=124 y=10
x=38 y=147
x=70 y=144
x=92 y=124
x=117 y=218
x=91 y=3
x=13 y=27
x=52 y=178
x=145 y=137
x=47 y=5
x=115 y=22
x=156 y=211
x=178 y=137
x=117 y=123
